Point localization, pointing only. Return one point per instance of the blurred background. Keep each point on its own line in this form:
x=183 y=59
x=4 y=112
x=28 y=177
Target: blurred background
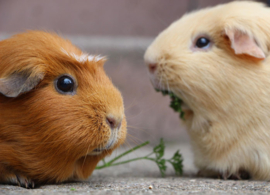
x=120 y=30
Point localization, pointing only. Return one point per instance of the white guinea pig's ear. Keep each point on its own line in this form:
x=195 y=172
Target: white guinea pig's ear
x=19 y=82
x=244 y=43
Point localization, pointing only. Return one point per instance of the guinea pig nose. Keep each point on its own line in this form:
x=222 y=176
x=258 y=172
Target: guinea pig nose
x=113 y=122
x=152 y=67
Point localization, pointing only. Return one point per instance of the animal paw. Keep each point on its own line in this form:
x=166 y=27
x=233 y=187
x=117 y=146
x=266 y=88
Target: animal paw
x=240 y=175
x=24 y=182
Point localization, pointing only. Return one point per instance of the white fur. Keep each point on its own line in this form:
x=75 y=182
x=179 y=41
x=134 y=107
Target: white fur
x=227 y=94
x=84 y=57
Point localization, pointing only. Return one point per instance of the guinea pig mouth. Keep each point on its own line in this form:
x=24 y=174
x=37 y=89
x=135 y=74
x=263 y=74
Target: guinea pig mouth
x=157 y=84
x=100 y=150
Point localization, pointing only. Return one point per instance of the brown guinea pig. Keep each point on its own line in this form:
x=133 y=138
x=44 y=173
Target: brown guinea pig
x=59 y=112
x=217 y=61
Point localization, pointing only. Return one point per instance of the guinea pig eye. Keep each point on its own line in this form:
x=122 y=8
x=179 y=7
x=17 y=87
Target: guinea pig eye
x=202 y=42
x=65 y=84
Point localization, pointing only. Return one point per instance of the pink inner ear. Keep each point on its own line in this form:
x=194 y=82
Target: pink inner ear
x=242 y=43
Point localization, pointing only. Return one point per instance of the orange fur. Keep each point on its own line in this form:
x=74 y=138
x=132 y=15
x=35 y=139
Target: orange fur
x=46 y=136
x=225 y=86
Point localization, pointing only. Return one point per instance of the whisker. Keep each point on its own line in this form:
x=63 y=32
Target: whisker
x=86 y=155
x=134 y=140
x=131 y=104
x=141 y=128
x=152 y=137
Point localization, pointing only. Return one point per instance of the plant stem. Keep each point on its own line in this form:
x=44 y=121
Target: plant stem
x=127 y=161
x=104 y=162
x=127 y=152
x=121 y=155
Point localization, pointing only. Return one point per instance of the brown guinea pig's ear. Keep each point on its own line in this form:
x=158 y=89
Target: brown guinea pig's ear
x=19 y=82
x=244 y=43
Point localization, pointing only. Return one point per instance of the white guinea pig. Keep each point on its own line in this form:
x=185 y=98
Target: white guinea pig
x=216 y=60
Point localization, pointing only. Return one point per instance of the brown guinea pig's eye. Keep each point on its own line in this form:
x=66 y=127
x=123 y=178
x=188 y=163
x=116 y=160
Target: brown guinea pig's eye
x=65 y=84
x=203 y=42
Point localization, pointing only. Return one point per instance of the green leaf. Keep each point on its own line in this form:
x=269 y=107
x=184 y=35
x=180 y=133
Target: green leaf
x=175 y=103
x=177 y=163
x=181 y=115
x=159 y=149
x=162 y=166
x=72 y=189
x=165 y=92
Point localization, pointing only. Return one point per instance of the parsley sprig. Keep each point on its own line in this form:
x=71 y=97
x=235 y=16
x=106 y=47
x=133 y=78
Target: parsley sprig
x=175 y=104
x=156 y=156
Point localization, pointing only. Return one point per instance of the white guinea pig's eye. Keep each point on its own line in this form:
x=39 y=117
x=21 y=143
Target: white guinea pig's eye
x=203 y=43
x=65 y=84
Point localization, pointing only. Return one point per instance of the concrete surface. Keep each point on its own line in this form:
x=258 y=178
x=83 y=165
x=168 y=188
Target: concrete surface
x=136 y=177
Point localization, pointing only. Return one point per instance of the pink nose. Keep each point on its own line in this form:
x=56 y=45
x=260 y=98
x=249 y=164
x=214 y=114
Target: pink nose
x=152 y=67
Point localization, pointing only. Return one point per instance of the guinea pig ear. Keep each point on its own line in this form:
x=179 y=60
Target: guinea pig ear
x=19 y=82
x=244 y=43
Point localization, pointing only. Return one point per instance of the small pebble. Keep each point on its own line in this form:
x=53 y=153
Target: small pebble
x=150 y=187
